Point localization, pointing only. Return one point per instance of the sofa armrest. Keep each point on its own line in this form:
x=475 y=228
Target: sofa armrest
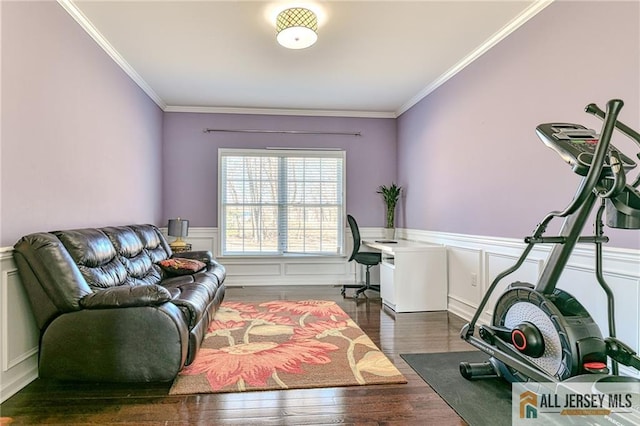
x=126 y=296
x=205 y=256
x=201 y=255
x=137 y=344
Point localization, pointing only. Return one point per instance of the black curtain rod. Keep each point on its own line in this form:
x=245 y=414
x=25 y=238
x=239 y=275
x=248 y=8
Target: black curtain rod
x=293 y=132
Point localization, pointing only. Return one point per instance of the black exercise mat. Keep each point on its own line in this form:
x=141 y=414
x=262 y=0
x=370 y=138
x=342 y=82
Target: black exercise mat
x=478 y=402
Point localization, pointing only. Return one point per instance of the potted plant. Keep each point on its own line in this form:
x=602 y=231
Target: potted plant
x=390 y=195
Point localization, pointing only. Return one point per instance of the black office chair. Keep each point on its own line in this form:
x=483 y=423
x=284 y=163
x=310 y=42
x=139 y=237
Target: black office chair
x=368 y=259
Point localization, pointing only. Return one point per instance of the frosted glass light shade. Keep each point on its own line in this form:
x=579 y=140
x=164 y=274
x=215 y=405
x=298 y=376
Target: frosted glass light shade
x=297 y=28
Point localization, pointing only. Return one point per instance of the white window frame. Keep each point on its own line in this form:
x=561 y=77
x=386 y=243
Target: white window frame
x=309 y=153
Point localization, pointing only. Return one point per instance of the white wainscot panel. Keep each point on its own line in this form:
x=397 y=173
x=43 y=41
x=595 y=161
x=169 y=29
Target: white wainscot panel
x=316 y=268
x=281 y=271
x=199 y=238
x=19 y=330
x=496 y=263
x=293 y=270
x=582 y=284
x=246 y=269
x=203 y=239
x=465 y=287
x=19 y=340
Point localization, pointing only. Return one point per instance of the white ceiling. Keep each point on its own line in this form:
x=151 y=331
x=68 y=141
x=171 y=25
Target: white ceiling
x=372 y=58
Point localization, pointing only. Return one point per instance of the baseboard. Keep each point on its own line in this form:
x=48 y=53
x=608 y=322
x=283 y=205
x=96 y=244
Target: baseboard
x=7 y=390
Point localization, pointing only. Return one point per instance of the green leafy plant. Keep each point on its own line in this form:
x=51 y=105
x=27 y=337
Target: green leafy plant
x=391 y=195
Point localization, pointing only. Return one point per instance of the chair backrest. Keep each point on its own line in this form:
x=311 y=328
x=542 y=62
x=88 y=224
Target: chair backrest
x=356 y=236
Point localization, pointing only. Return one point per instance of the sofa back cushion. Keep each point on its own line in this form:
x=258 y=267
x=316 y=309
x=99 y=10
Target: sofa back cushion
x=134 y=255
x=117 y=255
x=95 y=256
x=153 y=241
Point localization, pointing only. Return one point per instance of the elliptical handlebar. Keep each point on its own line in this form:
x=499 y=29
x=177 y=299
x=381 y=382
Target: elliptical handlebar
x=626 y=130
x=614 y=107
x=619 y=176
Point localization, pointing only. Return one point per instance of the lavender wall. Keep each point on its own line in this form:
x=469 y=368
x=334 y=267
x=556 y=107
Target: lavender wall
x=190 y=164
x=81 y=143
x=468 y=154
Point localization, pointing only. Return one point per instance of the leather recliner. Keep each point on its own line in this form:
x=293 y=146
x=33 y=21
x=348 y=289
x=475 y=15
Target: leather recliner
x=107 y=311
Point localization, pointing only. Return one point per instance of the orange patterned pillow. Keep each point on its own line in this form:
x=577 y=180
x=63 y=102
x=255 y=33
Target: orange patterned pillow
x=181 y=266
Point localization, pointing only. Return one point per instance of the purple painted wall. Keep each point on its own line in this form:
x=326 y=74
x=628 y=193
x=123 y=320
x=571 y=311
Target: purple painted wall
x=468 y=154
x=81 y=143
x=190 y=164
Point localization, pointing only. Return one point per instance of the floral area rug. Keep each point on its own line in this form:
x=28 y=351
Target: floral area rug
x=284 y=345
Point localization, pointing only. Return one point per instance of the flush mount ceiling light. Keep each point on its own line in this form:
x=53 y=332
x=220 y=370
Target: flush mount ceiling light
x=297 y=28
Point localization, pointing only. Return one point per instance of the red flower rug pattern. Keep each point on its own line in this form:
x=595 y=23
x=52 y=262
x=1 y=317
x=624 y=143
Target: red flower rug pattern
x=284 y=345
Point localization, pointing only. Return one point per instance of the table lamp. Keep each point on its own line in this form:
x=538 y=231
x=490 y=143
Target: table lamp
x=178 y=228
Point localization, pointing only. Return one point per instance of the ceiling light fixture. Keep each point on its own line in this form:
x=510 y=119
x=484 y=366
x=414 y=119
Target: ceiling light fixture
x=297 y=28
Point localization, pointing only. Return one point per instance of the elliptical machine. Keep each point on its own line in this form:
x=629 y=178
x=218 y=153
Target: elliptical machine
x=541 y=333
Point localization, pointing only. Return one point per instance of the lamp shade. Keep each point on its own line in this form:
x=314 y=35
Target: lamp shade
x=297 y=28
x=178 y=228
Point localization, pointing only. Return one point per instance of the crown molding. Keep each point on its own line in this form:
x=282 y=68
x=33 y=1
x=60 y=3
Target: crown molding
x=86 y=24
x=516 y=23
x=278 y=111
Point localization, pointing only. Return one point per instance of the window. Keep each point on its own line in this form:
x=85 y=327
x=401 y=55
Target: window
x=278 y=202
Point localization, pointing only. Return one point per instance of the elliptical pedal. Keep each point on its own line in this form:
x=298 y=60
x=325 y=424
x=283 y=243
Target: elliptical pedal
x=478 y=370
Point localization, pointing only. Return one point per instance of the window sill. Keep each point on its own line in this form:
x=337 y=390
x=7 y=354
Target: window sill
x=284 y=257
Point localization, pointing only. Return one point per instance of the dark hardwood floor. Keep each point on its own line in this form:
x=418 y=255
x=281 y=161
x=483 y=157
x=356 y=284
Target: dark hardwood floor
x=46 y=402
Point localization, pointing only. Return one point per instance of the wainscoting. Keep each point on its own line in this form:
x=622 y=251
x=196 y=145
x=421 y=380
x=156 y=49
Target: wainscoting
x=289 y=270
x=473 y=262
x=19 y=338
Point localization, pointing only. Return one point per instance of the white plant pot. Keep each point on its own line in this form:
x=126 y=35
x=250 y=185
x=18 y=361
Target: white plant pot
x=389 y=233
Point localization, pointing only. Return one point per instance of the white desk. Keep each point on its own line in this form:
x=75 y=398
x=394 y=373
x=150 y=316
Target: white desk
x=413 y=276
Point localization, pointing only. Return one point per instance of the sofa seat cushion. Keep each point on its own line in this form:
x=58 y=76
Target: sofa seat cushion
x=192 y=294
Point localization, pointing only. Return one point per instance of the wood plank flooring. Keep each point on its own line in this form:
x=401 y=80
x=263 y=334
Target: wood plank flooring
x=47 y=402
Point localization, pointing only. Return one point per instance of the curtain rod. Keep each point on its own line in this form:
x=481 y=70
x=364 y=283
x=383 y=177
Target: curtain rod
x=294 y=132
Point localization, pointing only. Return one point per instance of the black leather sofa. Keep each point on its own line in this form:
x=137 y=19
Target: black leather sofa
x=106 y=308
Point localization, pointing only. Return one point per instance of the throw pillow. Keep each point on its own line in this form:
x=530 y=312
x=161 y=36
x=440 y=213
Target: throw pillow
x=181 y=266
